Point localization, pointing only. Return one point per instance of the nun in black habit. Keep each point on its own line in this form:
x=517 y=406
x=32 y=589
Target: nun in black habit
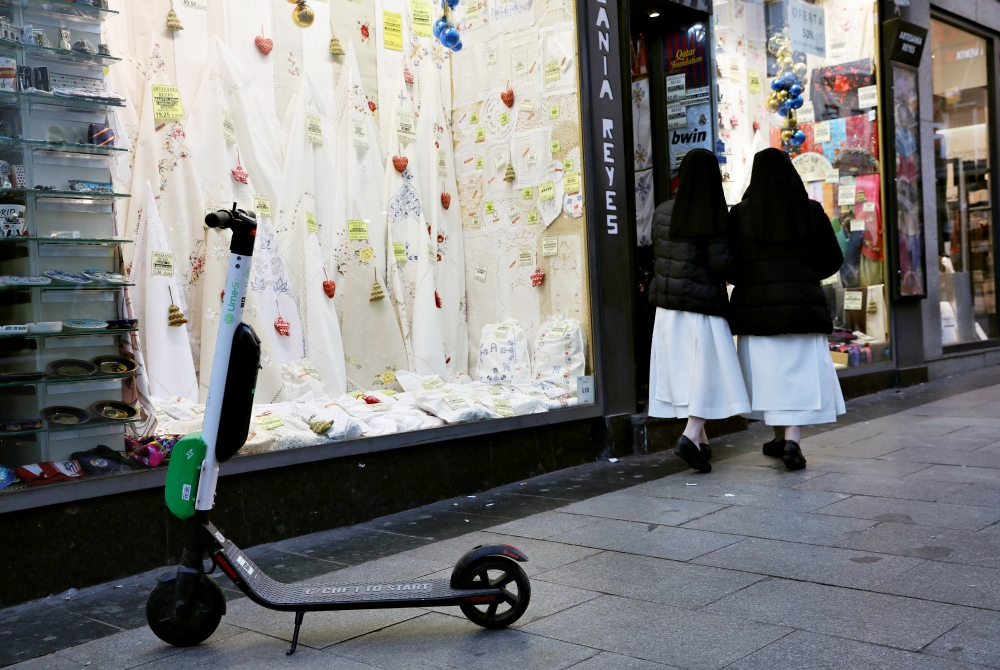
x=694 y=372
x=783 y=246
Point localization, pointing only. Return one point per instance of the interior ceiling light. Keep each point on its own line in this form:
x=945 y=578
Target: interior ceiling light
x=653 y=13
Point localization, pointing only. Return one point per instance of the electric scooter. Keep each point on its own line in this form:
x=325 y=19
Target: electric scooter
x=186 y=605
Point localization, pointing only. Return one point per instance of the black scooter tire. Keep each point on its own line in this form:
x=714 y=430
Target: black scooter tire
x=206 y=613
x=477 y=577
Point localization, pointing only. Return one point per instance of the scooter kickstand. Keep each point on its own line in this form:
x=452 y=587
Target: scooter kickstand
x=295 y=635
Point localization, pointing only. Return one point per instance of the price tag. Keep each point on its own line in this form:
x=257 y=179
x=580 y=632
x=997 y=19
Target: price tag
x=821 y=132
x=555 y=146
x=474 y=118
x=167 y=103
x=262 y=206
x=734 y=71
x=833 y=176
x=269 y=422
x=392 y=30
x=474 y=218
x=525 y=255
x=161 y=415
x=867 y=97
x=480 y=162
x=550 y=246
x=806 y=114
x=567 y=165
x=857 y=225
x=527 y=193
x=311 y=223
x=676 y=86
x=532 y=158
x=552 y=72
x=547 y=190
x=314 y=129
x=512 y=212
x=853 y=300
x=585 y=390
x=162 y=264
x=504 y=118
x=442 y=164
x=519 y=63
x=356 y=394
x=405 y=130
x=228 y=126
x=754 y=76
x=456 y=401
x=503 y=407
x=868 y=207
x=832 y=279
x=500 y=332
x=490 y=207
x=358 y=133
x=572 y=183
x=199 y=408
x=481 y=273
x=495 y=390
x=526 y=105
x=491 y=57
x=357 y=229
x=532 y=218
x=421 y=18
x=558 y=330
x=431 y=384
x=847 y=195
x=480 y=134
x=554 y=112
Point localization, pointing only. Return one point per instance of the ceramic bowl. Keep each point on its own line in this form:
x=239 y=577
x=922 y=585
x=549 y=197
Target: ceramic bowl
x=114 y=410
x=69 y=367
x=65 y=416
x=114 y=365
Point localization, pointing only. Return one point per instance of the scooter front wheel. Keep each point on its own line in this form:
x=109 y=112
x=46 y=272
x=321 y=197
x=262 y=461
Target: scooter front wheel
x=497 y=572
x=206 y=612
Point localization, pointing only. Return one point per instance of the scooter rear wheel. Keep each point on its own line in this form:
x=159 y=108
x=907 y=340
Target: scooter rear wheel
x=505 y=574
x=204 y=618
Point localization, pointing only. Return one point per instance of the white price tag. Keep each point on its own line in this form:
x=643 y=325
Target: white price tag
x=585 y=390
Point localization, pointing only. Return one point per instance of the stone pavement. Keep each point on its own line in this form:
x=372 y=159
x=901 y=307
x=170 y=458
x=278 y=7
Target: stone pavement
x=883 y=553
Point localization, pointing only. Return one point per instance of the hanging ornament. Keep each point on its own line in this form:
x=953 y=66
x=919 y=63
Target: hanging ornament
x=376 y=290
x=335 y=48
x=371 y=400
x=756 y=125
x=537 y=277
x=509 y=175
x=407 y=75
x=280 y=325
x=798 y=138
x=872 y=307
x=508 y=96
x=175 y=317
x=400 y=163
x=172 y=21
x=302 y=15
x=437 y=299
x=264 y=44
x=239 y=174
x=329 y=287
x=446 y=200
x=319 y=427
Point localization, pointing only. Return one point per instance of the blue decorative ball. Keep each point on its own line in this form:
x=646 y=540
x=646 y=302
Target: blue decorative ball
x=457 y=47
x=450 y=37
x=789 y=78
x=795 y=103
x=794 y=90
x=453 y=3
x=439 y=26
x=783 y=109
x=798 y=138
x=777 y=84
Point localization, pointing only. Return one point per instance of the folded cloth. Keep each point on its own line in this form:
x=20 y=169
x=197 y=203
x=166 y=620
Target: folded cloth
x=49 y=471
x=150 y=451
x=101 y=460
x=7 y=477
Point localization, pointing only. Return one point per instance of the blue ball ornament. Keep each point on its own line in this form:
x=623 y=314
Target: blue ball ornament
x=450 y=37
x=794 y=90
x=798 y=138
x=789 y=78
x=776 y=84
x=453 y=3
x=783 y=109
x=439 y=27
x=457 y=47
x=795 y=103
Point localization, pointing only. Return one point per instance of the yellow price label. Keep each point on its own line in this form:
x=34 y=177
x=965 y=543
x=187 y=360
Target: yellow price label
x=504 y=119
x=167 y=103
x=311 y=223
x=269 y=422
x=421 y=18
x=567 y=165
x=572 y=183
x=527 y=193
x=547 y=190
x=262 y=206
x=552 y=72
x=554 y=112
x=474 y=118
x=480 y=162
x=392 y=30
x=490 y=207
x=532 y=218
x=357 y=229
x=555 y=146
x=480 y=134
x=399 y=249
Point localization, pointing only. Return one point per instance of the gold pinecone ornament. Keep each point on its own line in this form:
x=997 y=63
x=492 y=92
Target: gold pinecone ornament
x=509 y=174
x=172 y=21
x=376 y=290
x=335 y=48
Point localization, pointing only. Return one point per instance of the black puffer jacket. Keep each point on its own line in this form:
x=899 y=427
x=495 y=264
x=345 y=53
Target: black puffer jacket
x=778 y=283
x=689 y=275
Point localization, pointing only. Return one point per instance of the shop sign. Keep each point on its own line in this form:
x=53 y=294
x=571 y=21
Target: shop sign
x=904 y=41
x=807 y=27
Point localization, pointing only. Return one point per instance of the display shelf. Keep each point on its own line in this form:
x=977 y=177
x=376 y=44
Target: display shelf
x=68 y=380
x=55 y=193
x=95 y=286
x=53 y=53
x=62 y=7
x=91 y=241
x=49 y=428
x=16 y=97
x=69 y=333
x=13 y=144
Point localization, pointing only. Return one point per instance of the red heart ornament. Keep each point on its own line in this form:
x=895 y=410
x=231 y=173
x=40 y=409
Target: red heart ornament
x=400 y=163
x=437 y=299
x=264 y=44
x=446 y=200
x=329 y=288
x=283 y=327
x=508 y=97
x=371 y=106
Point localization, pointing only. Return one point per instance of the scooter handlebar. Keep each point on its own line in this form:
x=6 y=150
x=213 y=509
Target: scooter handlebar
x=242 y=223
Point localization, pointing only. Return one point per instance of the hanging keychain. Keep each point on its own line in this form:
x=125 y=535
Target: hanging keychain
x=239 y=174
x=329 y=287
x=537 y=277
x=175 y=317
x=280 y=325
x=376 y=290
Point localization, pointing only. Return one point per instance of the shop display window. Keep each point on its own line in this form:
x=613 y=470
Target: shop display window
x=421 y=254
x=963 y=102
x=802 y=77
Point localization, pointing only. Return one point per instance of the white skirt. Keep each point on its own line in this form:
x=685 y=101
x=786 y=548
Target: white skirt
x=693 y=368
x=790 y=379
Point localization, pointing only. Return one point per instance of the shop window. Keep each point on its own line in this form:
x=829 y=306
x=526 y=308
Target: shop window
x=827 y=52
x=963 y=99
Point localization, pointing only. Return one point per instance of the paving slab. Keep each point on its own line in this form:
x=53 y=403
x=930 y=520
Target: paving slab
x=659 y=633
x=40 y=628
x=608 y=661
x=440 y=641
x=970 y=585
x=961 y=474
x=50 y=662
x=653 y=579
x=939 y=544
x=630 y=505
x=132 y=649
x=679 y=544
x=975 y=640
x=941 y=515
x=881 y=486
x=753 y=468
x=810 y=650
x=903 y=623
x=743 y=494
x=980 y=458
x=809 y=562
x=544 y=525
x=872 y=467
x=976 y=495
x=785 y=525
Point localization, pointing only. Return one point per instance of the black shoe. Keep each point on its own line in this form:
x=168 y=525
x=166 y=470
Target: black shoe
x=775 y=448
x=793 y=458
x=706 y=450
x=690 y=454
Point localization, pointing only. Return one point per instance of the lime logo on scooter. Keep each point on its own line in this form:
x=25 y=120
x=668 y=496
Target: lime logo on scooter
x=229 y=318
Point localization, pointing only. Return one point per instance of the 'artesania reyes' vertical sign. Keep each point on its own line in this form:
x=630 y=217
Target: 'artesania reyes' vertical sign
x=604 y=69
